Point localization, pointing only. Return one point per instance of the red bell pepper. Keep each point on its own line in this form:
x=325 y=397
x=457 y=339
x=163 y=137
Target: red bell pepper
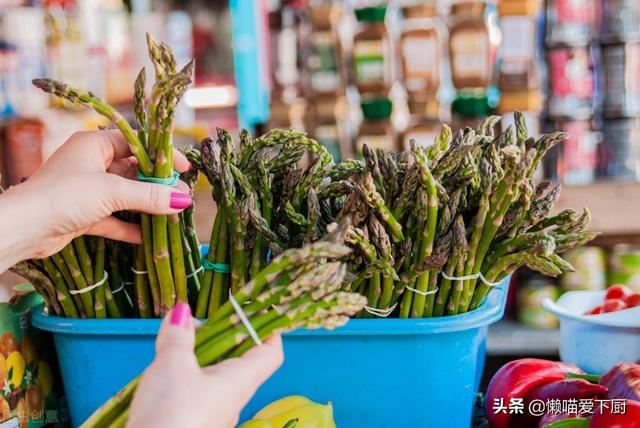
x=562 y=390
x=623 y=381
x=567 y=388
x=604 y=417
x=515 y=379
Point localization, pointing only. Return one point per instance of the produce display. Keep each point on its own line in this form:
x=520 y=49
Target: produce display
x=293 y=412
x=533 y=380
x=617 y=298
x=432 y=229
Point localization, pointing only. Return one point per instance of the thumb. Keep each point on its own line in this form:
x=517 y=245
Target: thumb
x=125 y=194
x=176 y=338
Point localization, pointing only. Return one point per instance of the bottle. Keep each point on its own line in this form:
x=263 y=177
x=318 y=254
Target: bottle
x=376 y=129
x=372 y=69
x=470 y=49
x=469 y=109
x=518 y=69
x=325 y=58
x=330 y=126
x=420 y=49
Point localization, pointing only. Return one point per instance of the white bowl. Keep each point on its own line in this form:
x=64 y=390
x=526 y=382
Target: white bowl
x=595 y=343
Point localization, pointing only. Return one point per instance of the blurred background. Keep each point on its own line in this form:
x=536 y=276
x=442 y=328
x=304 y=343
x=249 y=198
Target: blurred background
x=385 y=74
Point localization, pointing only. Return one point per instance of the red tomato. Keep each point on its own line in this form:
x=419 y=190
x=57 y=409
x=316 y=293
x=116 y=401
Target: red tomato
x=632 y=300
x=613 y=305
x=595 y=311
x=617 y=292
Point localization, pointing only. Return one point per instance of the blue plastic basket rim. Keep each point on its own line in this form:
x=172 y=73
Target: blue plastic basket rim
x=490 y=312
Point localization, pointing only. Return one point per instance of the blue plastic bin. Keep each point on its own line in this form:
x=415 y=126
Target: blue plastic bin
x=377 y=372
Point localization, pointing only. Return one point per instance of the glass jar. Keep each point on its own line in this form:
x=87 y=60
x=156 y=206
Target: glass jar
x=372 y=55
x=420 y=49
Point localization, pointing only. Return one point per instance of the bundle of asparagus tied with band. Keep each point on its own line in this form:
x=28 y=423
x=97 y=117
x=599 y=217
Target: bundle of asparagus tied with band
x=261 y=193
x=169 y=254
x=88 y=278
x=299 y=288
x=435 y=228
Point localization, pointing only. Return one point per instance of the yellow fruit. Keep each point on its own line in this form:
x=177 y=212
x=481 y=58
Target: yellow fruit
x=15 y=365
x=255 y=423
x=8 y=344
x=28 y=349
x=22 y=414
x=3 y=370
x=5 y=410
x=35 y=402
x=45 y=378
x=282 y=405
x=309 y=416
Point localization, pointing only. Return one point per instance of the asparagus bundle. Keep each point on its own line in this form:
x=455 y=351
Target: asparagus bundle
x=300 y=288
x=266 y=203
x=435 y=228
x=161 y=275
x=432 y=229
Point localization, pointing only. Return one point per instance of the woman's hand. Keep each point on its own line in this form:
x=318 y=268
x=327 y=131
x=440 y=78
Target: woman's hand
x=176 y=392
x=75 y=192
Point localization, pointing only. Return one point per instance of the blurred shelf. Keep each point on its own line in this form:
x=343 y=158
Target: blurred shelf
x=204 y=214
x=511 y=338
x=614 y=205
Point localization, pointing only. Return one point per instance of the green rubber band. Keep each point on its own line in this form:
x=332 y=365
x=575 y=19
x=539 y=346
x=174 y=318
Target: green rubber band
x=171 y=181
x=216 y=267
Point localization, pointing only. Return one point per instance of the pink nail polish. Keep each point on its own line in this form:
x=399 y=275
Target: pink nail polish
x=179 y=200
x=181 y=315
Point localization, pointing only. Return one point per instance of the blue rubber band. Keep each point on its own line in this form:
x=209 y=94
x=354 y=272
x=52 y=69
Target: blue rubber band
x=216 y=267
x=171 y=181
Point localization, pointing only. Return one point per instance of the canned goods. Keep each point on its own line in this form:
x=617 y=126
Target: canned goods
x=571 y=21
x=624 y=266
x=530 y=297
x=621 y=65
x=590 y=270
x=571 y=82
x=620 y=20
x=620 y=154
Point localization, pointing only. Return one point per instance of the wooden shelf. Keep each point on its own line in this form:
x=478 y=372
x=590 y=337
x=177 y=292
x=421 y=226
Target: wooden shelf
x=614 y=205
x=511 y=338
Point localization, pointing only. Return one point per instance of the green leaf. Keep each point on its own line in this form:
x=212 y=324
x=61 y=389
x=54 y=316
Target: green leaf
x=10 y=374
x=569 y=423
x=589 y=377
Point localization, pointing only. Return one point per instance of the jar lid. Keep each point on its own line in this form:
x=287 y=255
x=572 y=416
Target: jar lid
x=428 y=107
x=471 y=106
x=377 y=108
x=471 y=9
x=372 y=13
x=421 y=10
x=530 y=100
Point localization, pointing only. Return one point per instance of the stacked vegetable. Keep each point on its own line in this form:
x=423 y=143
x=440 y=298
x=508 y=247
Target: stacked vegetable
x=160 y=264
x=86 y=279
x=261 y=193
x=299 y=288
x=433 y=229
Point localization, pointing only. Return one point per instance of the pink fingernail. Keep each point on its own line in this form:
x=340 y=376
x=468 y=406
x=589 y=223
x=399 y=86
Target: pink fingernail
x=181 y=315
x=179 y=200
